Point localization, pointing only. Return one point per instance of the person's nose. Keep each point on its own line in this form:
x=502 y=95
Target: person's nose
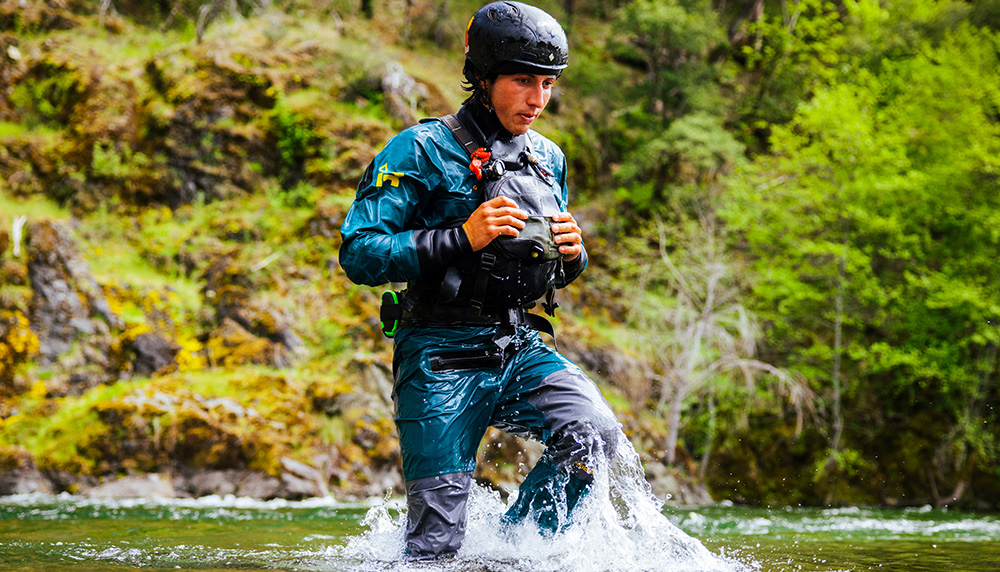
x=536 y=95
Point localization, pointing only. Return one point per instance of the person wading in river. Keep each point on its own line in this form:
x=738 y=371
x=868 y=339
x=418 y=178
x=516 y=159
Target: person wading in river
x=470 y=211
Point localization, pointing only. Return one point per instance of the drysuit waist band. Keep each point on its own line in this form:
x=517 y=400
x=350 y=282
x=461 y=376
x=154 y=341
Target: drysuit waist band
x=442 y=316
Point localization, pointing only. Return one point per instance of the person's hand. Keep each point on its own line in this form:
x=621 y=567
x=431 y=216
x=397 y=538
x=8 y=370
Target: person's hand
x=493 y=218
x=568 y=235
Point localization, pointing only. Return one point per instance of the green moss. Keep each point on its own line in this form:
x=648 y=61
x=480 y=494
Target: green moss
x=48 y=94
x=111 y=162
x=249 y=418
x=10 y=130
x=52 y=430
x=34 y=207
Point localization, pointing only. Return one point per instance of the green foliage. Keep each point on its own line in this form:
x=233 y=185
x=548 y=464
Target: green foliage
x=671 y=40
x=986 y=13
x=677 y=136
x=48 y=95
x=295 y=139
x=601 y=136
x=884 y=190
x=111 y=163
x=695 y=149
x=787 y=55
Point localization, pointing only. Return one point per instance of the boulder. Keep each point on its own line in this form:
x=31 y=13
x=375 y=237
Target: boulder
x=250 y=330
x=150 y=486
x=297 y=481
x=68 y=307
x=301 y=480
x=24 y=481
x=19 y=473
x=259 y=486
x=152 y=353
x=201 y=483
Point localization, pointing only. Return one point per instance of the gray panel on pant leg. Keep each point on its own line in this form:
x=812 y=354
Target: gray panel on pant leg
x=436 y=514
x=582 y=423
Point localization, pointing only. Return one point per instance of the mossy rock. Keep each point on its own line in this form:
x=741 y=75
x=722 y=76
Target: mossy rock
x=247 y=424
x=224 y=272
x=51 y=88
x=203 y=441
x=38 y=16
x=231 y=345
x=325 y=393
x=124 y=440
x=376 y=435
x=15 y=457
x=18 y=343
x=13 y=273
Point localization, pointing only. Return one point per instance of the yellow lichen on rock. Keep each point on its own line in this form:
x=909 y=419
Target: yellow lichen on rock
x=17 y=343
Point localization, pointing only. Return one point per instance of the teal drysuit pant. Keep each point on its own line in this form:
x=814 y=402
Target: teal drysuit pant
x=453 y=383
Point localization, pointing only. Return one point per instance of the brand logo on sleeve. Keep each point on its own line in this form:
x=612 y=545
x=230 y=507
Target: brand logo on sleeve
x=384 y=176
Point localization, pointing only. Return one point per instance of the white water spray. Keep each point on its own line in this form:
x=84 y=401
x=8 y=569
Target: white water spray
x=618 y=527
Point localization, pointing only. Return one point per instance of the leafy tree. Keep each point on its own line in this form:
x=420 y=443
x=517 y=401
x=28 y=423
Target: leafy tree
x=873 y=234
x=786 y=54
x=695 y=149
x=678 y=130
x=671 y=41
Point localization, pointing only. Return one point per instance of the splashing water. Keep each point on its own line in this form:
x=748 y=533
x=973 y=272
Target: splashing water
x=618 y=527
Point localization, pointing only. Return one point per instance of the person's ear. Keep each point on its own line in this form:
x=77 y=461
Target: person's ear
x=485 y=92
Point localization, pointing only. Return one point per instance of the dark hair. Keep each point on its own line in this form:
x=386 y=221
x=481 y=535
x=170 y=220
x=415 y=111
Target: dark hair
x=473 y=83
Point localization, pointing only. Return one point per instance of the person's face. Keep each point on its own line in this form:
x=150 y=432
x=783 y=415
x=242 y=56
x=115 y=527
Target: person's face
x=520 y=98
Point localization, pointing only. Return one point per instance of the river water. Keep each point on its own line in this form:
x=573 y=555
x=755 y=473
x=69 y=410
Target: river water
x=39 y=532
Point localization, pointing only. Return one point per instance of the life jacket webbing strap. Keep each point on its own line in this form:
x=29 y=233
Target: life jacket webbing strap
x=486 y=262
x=460 y=133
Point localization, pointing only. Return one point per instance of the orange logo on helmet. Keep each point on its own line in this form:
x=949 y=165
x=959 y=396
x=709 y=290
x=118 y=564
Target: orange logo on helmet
x=467 y=35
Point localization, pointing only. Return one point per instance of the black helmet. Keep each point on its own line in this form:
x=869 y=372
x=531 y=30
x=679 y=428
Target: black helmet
x=511 y=37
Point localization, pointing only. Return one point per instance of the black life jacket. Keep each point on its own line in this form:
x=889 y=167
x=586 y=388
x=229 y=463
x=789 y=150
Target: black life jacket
x=511 y=272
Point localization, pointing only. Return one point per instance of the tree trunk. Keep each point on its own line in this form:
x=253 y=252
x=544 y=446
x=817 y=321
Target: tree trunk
x=709 y=441
x=674 y=425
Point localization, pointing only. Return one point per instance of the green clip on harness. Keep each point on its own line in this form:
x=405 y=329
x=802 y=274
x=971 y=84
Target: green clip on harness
x=391 y=313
